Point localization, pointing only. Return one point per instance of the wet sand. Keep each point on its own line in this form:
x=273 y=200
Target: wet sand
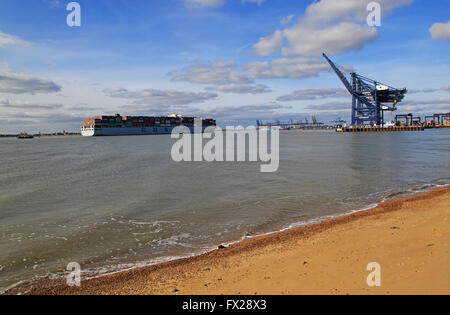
x=409 y=238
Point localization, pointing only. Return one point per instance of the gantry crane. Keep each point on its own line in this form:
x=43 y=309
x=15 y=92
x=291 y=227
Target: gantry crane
x=369 y=97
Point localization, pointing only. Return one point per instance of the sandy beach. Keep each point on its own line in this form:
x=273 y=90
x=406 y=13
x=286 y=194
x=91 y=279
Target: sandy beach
x=408 y=237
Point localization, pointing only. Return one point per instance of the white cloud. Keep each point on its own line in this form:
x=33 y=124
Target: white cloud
x=429 y=90
x=217 y=73
x=5 y=103
x=428 y=106
x=240 y=89
x=214 y=3
x=440 y=31
x=153 y=98
x=11 y=40
x=203 y=3
x=270 y=44
x=259 y=2
x=334 y=40
x=55 y=4
x=327 y=25
x=417 y=91
x=19 y=83
x=286 y=20
x=313 y=94
x=292 y=68
x=332 y=106
x=331 y=11
x=224 y=73
x=114 y=91
x=82 y=108
x=45 y=121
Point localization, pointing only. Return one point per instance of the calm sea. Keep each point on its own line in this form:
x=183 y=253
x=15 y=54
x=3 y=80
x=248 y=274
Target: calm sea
x=114 y=203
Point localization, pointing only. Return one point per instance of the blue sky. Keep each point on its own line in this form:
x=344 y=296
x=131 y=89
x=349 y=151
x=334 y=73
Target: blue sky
x=233 y=60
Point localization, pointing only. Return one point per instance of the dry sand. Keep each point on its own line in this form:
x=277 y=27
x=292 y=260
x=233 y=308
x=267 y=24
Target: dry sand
x=408 y=237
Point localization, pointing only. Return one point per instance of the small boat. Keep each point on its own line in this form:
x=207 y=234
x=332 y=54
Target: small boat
x=389 y=124
x=25 y=136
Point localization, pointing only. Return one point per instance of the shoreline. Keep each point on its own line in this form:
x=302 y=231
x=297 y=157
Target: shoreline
x=168 y=277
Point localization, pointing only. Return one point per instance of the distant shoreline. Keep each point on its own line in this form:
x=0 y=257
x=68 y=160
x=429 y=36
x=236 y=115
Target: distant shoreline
x=69 y=134
x=303 y=260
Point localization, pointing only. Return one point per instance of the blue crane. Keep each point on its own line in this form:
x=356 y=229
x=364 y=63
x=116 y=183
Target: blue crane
x=369 y=97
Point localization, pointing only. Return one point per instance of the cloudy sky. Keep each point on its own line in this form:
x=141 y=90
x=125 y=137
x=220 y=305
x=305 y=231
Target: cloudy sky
x=234 y=60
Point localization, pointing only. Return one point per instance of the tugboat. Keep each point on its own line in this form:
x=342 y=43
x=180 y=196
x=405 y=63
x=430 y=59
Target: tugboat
x=25 y=136
x=340 y=124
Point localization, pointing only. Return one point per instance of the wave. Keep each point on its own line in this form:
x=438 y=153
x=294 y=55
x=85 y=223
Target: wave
x=110 y=269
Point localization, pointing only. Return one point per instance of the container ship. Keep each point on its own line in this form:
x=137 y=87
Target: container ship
x=138 y=125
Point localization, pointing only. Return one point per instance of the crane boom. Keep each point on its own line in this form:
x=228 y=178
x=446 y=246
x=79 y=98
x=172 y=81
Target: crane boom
x=340 y=74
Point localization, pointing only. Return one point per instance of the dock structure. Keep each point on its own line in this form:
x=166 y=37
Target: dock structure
x=294 y=125
x=370 y=98
x=381 y=129
x=437 y=121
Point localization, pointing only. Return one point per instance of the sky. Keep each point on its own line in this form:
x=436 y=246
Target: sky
x=237 y=61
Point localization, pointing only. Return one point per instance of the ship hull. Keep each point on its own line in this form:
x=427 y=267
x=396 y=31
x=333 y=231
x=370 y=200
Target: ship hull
x=130 y=131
